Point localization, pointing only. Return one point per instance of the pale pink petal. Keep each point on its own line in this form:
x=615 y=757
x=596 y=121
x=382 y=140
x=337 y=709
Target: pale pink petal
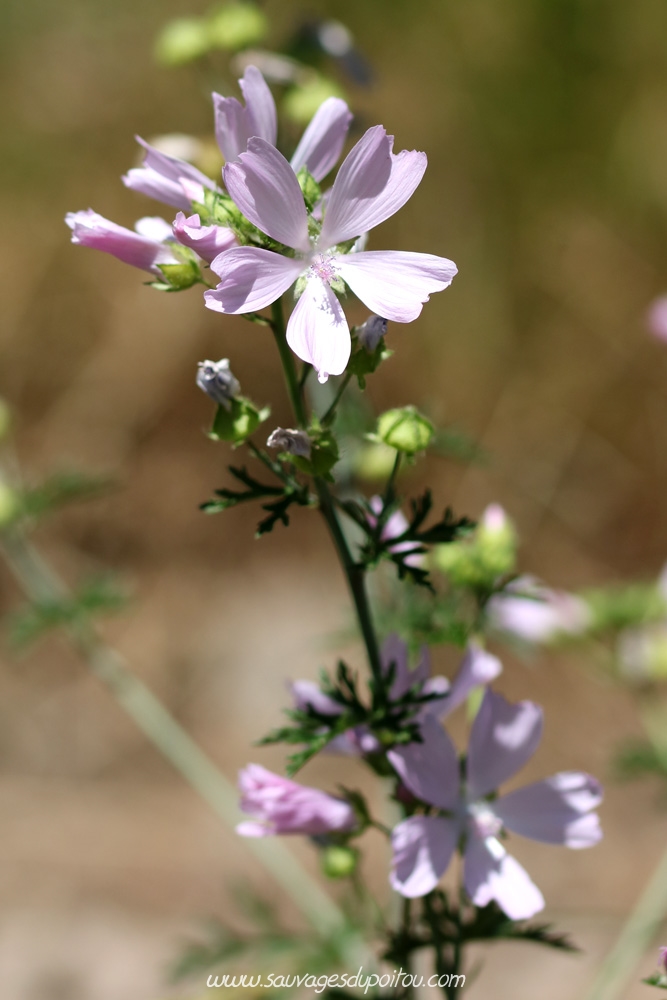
x=371 y=185
x=162 y=176
x=430 y=770
x=260 y=106
x=285 y=806
x=308 y=694
x=423 y=847
x=504 y=736
x=393 y=283
x=322 y=142
x=555 y=811
x=92 y=230
x=395 y=651
x=490 y=873
x=251 y=278
x=231 y=128
x=317 y=330
x=252 y=829
x=265 y=188
x=477 y=667
x=207 y=241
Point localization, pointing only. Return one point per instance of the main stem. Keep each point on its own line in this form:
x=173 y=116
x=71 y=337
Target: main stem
x=354 y=573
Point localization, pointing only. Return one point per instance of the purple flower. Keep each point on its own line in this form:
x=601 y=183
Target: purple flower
x=371 y=185
x=533 y=613
x=167 y=179
x=370 y=333
x=477 y=667
x=555 y=811
x=144 y=248
x=320 y=145
x=394 y=527
x=207 y=241
x=283 y=806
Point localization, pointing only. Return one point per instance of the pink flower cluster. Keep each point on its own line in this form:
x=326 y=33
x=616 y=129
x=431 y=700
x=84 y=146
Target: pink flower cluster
x=451 y=805
x=320 y=250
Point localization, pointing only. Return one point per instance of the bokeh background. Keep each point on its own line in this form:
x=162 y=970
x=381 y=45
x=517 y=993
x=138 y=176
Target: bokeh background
x=546 y=130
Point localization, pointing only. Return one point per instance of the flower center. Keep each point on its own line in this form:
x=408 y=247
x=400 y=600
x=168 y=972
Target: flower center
x=483 y=820
x=323 y=266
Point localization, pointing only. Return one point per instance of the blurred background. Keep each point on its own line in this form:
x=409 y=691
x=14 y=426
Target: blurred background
x=546 y=131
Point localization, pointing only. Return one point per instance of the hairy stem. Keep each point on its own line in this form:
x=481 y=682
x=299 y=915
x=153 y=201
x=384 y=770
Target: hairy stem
x=40 y=583
x=329 y=415
x=354 y=573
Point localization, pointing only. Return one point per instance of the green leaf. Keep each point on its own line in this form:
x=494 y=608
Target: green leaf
x=61 y=489
x=101 y=596
x=238 y=422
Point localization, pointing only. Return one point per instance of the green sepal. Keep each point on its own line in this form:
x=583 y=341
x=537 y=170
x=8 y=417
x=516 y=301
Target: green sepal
x=310 y=189
x=405 y=429
x=238 y=422
x=363 y=362
x=658 y=979
x=323 y=455
x=178 y=277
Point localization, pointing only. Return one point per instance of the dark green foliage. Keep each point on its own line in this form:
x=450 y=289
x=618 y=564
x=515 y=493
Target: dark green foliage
x=286 y=495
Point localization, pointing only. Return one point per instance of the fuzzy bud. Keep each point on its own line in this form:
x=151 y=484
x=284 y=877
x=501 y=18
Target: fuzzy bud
x=217 y=381
x=405 y=429
x=370 y=333
x=292 y=441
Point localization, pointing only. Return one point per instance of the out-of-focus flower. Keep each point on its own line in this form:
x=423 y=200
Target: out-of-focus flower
x=207 y=241
x=656 y=318
x=283 y=806
x=292 y=441
x=321 y=143
x=168 y=179
x=216 y=380
x=477 y=668
x=145 y=247
x=371 y=185
x=558 y=810
x=394 y=527
x=535 y=614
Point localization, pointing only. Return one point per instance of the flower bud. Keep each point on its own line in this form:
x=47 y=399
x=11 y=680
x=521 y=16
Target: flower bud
x=405 y=429
x=216 y=380
x=237 y=26
x=496 y=541
x=338 y=861
x=370 y=333
x=182 y=41
x=293 y=442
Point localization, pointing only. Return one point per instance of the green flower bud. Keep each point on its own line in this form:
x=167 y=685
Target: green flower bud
x=238 y=422
x=311 y=190
x=181 y=42
x=373 y=461
x=405 y=429
x=236 y=26
x=496 y=542
x=302 y=101
x=338 y=861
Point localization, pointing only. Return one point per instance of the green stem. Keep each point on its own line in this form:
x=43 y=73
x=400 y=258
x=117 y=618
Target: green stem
x=389 y=490
x=354 y=573
x=40 y=583
x=639 y=931
x=329 y=415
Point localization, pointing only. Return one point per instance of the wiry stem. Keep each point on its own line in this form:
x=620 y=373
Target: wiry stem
x=40 y=583
x=354 y=572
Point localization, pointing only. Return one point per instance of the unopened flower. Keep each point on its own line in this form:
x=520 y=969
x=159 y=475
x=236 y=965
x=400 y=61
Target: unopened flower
x=207 y=241
x=370 y=333
x=168 y=179
x=235 y=124
x=283 y=806
x=477 y=667
x=216 y=380
x=533 y=613
x=558 y=810
x=145 y=247
x=292 y=441
x=371 y=185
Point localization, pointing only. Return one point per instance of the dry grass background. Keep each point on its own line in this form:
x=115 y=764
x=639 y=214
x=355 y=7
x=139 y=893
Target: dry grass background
x=546 y=129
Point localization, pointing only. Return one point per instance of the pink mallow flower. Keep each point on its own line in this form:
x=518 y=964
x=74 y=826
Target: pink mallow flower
x=477 y=667
x=321 y=143
x=656 y=318
x=207 y=241
x=371 y=185
x=144 y=247
x=168 y=179
x=555 y=811
x=535 y=614
x=283 y=806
